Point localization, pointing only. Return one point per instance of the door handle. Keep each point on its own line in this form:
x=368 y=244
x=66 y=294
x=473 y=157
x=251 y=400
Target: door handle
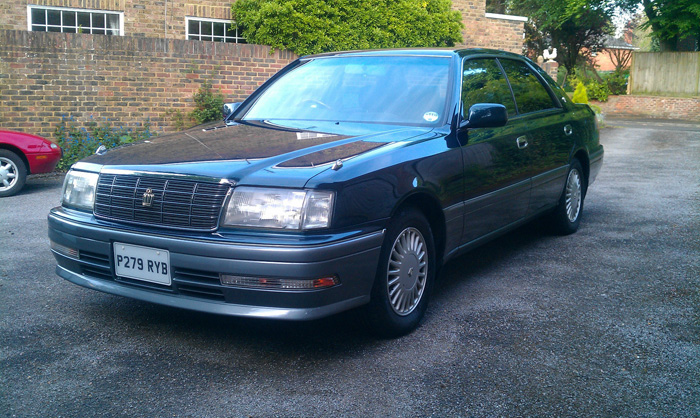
x=568 y=130
x=522 y=142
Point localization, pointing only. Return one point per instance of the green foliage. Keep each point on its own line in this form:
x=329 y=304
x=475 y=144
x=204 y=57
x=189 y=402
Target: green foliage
x=311 y=26
x=580 y=95
x=670 y=20
x=80 y=142
x=597 y=90
x=180 y=119
x=208 y=104
x=617 y=81
x=574 y=27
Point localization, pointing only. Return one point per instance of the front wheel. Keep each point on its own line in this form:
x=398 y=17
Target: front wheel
x=404 y=276
x=567 y=215
x=13 y=173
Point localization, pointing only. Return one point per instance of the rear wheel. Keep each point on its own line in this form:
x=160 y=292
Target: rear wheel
x=567 y=215
x=404 y=276
x=13 y=173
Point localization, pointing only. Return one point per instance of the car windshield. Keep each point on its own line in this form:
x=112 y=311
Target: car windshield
x=367 y=89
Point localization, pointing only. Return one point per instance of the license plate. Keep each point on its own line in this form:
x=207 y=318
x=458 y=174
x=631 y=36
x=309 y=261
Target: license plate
x=142 y=263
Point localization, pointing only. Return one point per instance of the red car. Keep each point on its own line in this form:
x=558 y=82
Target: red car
x=22 y=154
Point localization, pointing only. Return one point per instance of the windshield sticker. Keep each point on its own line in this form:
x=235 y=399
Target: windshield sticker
x=430 y=116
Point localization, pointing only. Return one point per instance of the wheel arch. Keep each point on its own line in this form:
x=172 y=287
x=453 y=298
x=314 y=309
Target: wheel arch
x=19 y=153
x=430 y=207
x=582 y=157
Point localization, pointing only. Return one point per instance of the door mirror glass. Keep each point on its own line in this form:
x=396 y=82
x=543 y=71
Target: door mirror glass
x=229 y=108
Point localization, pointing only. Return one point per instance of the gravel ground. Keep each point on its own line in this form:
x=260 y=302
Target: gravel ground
x=605 y=322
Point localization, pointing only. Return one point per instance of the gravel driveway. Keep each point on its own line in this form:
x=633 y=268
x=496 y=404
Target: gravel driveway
x=605 y=322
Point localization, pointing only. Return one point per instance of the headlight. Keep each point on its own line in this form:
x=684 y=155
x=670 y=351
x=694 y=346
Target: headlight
x=79 y=190
x=279 y=208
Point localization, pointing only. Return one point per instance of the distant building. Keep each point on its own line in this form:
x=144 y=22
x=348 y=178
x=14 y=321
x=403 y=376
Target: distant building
x=616 y=51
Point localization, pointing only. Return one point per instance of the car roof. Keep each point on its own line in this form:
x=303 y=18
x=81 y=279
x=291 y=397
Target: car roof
x=437 y=52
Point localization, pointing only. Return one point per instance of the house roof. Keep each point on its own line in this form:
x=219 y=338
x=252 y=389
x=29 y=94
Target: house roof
x=618 y=43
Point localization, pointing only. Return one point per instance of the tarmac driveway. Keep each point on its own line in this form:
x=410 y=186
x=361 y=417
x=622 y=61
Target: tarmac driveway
x=605 y=322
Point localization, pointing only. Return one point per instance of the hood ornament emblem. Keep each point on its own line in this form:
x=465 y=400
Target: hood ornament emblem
x=148 y=198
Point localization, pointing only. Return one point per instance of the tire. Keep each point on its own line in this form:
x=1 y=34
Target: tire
x=567 y=215
x=13 y=173
x=404 y=276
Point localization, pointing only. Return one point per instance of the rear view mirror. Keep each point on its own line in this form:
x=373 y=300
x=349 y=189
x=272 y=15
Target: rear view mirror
x=486 y=115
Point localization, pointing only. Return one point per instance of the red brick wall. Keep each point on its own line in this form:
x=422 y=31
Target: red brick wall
x=682 y=108
x=481 y=31
x=44 y=76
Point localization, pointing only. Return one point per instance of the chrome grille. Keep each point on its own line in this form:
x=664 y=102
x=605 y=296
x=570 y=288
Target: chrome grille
x=177 y=203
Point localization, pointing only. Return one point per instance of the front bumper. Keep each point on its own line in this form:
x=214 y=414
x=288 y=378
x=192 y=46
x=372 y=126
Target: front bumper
x=197 y=262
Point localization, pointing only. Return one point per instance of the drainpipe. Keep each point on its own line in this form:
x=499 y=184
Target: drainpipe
x=165 y=21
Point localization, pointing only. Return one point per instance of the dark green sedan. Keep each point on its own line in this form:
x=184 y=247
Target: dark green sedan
x=345 y=181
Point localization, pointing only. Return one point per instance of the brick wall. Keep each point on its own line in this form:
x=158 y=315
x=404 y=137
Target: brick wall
x=485 y=30
x=682 y=108
x=44 y=76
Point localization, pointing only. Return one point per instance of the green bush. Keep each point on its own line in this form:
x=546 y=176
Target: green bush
x=80 y=142
x=311 y=26
x=208 y=105
x=617 y=81
x=580 y=95
x=597 y=91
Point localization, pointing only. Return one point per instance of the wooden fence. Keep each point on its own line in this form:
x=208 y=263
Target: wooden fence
x=667 y=73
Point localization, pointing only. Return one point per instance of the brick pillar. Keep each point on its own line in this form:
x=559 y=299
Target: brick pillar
x=551 y=67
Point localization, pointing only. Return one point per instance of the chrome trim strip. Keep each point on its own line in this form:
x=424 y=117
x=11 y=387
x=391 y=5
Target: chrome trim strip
x=191 y=177
x=478 y=202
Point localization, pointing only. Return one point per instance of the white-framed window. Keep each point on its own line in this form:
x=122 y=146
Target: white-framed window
x=215 y=30
x=64 y=19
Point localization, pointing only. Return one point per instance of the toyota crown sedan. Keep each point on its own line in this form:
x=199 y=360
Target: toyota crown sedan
x=345 y=181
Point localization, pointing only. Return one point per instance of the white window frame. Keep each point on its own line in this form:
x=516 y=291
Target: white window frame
x=69 y=9
x=236 y=38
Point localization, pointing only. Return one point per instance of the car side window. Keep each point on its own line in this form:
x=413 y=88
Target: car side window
x=484 y=82
x=530 y=94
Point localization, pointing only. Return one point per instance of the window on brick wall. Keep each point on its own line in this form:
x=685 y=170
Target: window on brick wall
x=215 y=30
x=61 y=19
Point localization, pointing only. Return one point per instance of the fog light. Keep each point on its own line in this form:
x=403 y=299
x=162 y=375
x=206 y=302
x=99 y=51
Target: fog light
x=63 y=250
x=275 y=283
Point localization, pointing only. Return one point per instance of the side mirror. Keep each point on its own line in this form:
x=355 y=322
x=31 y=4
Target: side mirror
x=486 y=115
x=229 y=108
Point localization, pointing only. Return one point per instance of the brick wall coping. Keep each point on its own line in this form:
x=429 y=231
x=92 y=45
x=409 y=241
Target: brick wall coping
x=35 y=42
x=506 y=17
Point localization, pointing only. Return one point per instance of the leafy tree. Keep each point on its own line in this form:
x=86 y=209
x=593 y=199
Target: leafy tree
x=311 y=26
x=577 y=28
x=670 y=20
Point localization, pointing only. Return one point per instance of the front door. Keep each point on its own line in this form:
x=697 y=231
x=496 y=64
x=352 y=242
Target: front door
x=496 y=178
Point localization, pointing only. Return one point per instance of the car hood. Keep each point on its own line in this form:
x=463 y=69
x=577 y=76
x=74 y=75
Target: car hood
x=274 y=153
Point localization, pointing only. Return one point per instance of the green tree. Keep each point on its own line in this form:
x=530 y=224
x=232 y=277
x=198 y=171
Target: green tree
x=311 y=26
x=576 y=28
x=670 y=21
